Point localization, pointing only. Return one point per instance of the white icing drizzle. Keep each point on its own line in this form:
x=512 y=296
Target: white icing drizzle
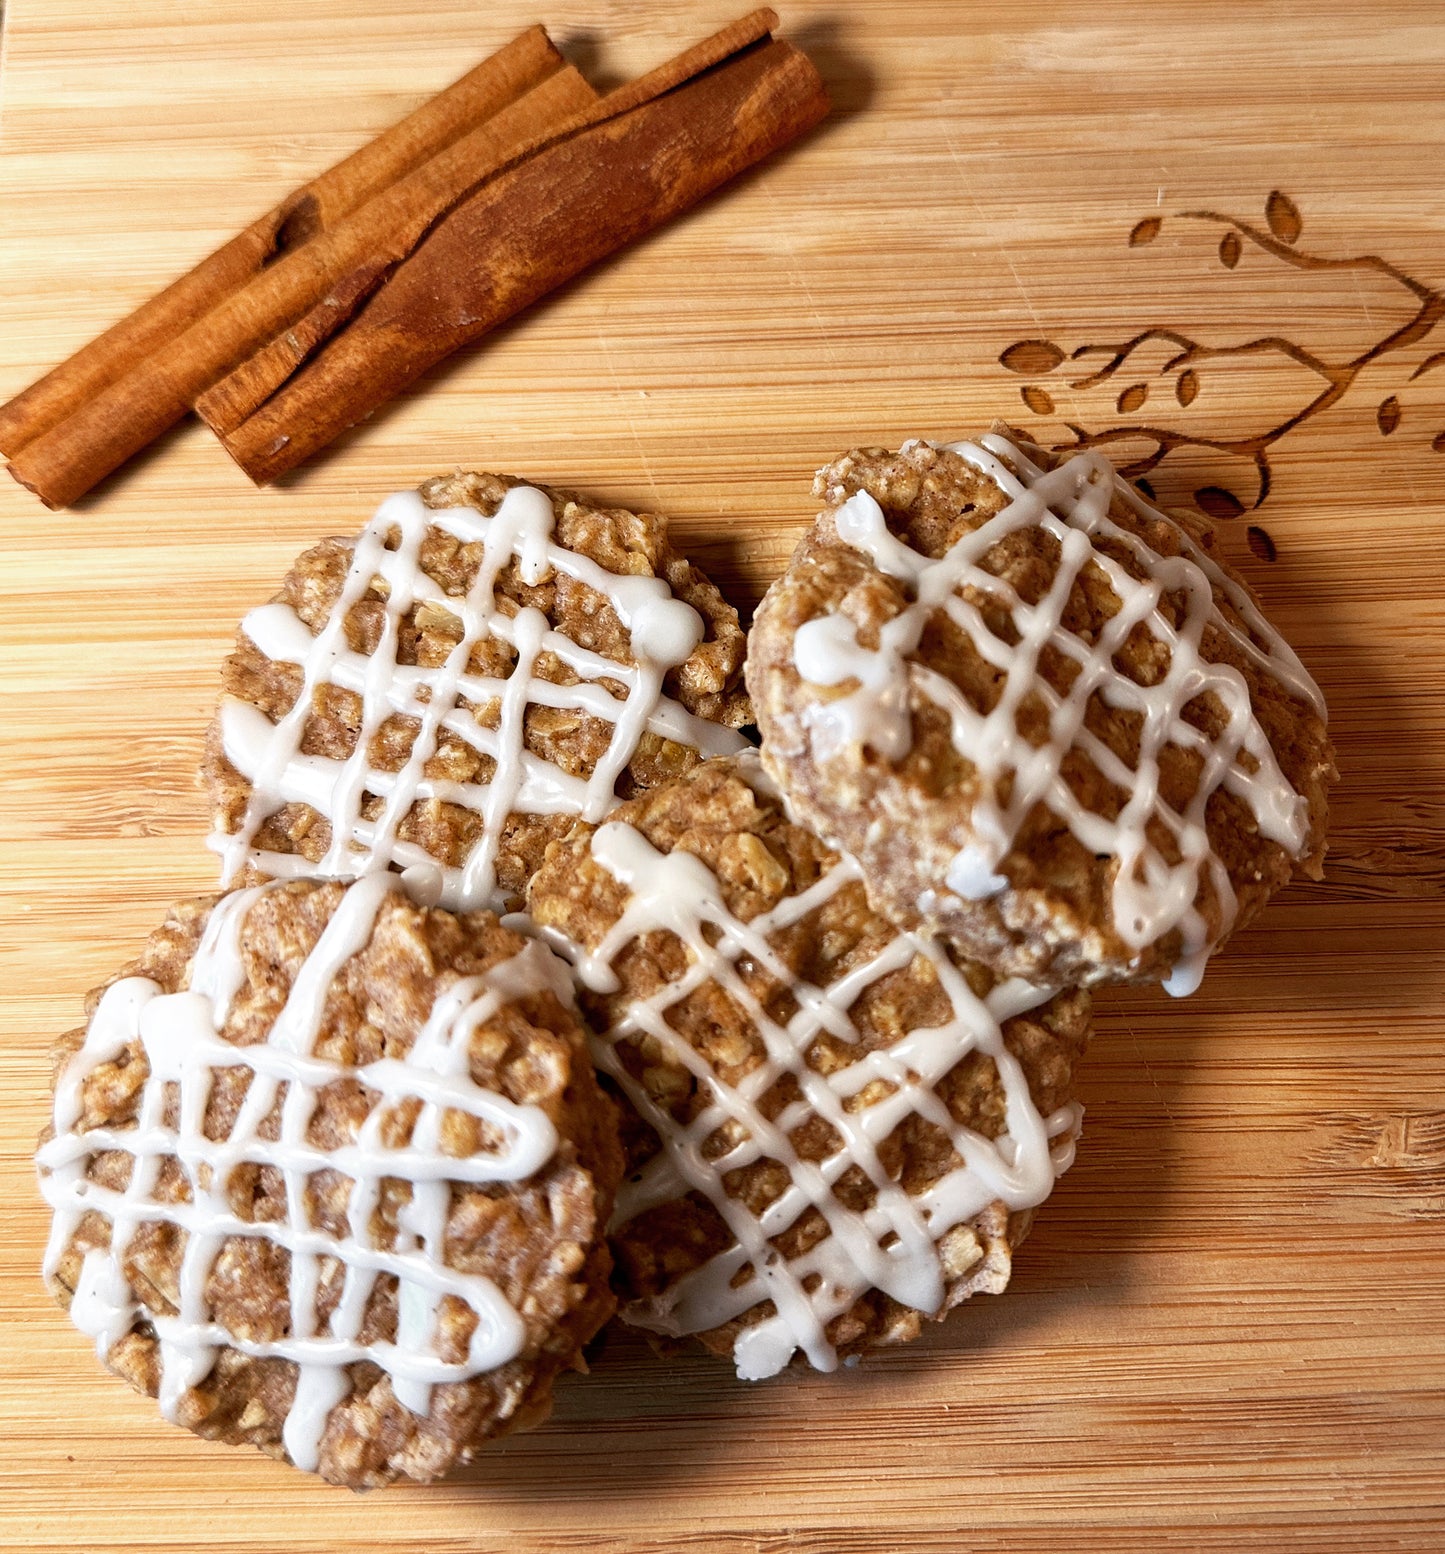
x=893 y=1246
x=664 y=632
x=1071 y=503
x=180 y=1035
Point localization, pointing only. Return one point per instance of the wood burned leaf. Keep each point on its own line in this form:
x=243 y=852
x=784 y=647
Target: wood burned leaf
x=1133 y=398
x=1260 y=542
x=1217 y=502
x=1229 y=250
x=1145 y=231
x=1387 y=417
x=1031 y=358
x=1283 y=216
x=1037 y=401
x=1186 y=390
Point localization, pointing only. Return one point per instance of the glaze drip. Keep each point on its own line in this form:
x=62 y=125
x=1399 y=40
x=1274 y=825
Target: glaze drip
x=893 y=1246
x=180 y=1036
x=1151 y=896
x=664 y=632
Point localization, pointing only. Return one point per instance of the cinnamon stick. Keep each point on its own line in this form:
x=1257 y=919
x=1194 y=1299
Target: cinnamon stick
x=240 y=394
x=102 y=433
x=519 y=236
x=270 y=301
x=476 y=97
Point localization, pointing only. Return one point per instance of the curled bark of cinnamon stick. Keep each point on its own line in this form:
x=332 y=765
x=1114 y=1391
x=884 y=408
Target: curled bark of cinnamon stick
x=344 y=188
x=518 y=237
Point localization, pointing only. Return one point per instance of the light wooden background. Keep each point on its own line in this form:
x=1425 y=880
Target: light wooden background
x=1228 y=1330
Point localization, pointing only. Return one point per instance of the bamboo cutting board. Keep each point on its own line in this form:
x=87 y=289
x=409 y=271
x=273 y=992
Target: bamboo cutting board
x=1213 y=232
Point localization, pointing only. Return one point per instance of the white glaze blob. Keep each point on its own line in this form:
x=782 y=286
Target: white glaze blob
x=972 y=873
x=180 y=1036
x=1071 y=503
x=826 y=651
x=893 y=1246
x=664 y=632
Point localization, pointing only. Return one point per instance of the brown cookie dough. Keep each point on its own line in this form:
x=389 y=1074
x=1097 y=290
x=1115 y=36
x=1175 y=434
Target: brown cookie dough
x=1048 y=724
x=330 y=1172
x=485 y=662
x=833 y=1130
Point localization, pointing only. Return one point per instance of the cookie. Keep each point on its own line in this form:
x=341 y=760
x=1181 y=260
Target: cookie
x=329 y=1173
x=485 y=662
x=1051 y=727
x=834 y=1130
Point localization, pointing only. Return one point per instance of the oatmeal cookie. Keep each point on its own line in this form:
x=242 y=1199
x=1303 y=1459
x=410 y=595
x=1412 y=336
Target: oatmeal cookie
x=330 y=1173
x=486 y=661
x=833 y=1129
x=1050 y=726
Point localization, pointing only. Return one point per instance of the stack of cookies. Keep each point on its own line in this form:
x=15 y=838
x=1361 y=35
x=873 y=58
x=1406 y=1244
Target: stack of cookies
x=537 y=993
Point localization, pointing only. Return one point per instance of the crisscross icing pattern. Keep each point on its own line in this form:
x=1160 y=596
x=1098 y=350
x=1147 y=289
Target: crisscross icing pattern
x=893 y=1245
x=1151 y=896
x=179 y=1033
x=664 y=632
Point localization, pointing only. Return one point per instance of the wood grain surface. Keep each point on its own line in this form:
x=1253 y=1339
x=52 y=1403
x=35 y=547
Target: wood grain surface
x=1228 y=1328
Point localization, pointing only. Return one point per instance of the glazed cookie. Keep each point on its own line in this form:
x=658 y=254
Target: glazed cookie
x=1048 y=724
x=329 y=1173
x=485 y=662
x=833 y=1129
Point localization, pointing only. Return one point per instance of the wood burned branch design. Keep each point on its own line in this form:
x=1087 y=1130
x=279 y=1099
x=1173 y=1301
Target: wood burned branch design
x=1191 y=357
